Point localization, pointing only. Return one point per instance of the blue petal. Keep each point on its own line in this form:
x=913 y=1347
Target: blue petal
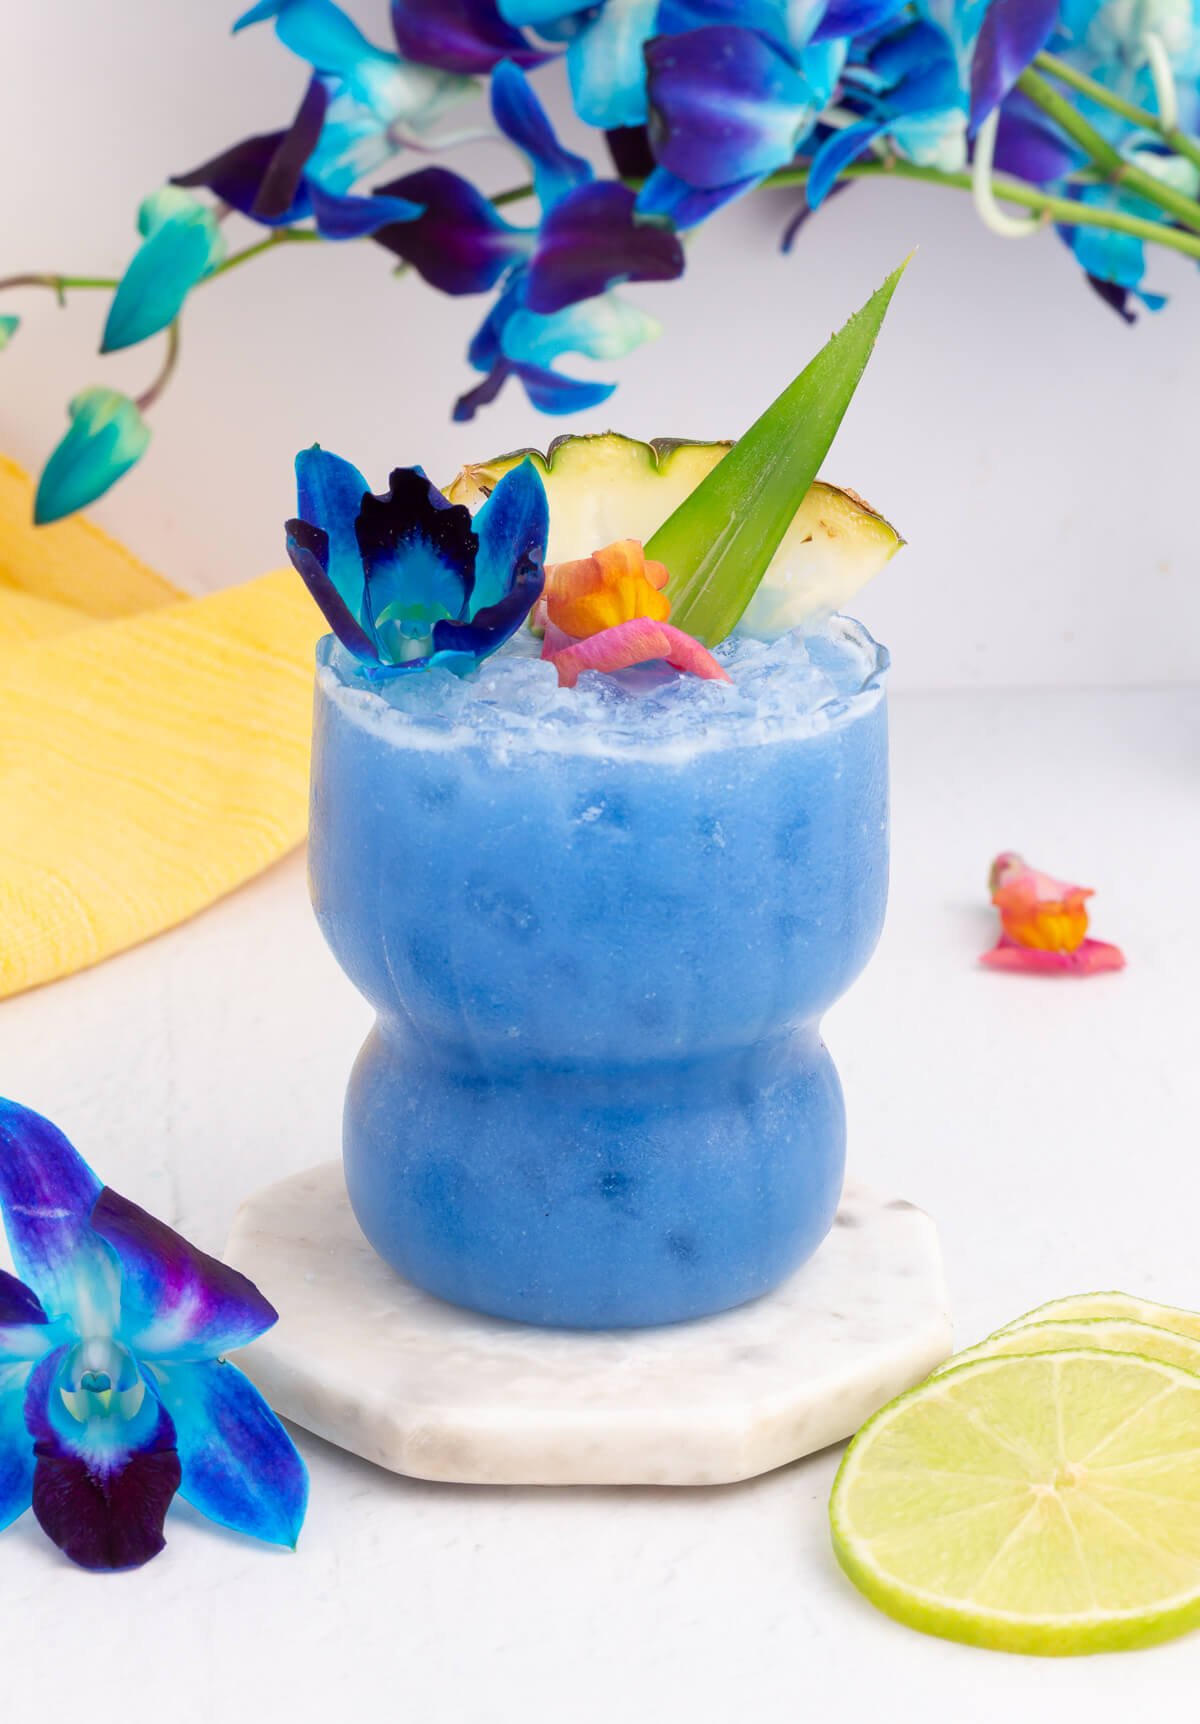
x=103 y=1504
x=16 y=1450
x=591 y=241
x=349 y=217
x=724 y=105
x=522 y=119
x=1013 y=31
x=459 y=244
x=665 y=197
x=486 y=348
x=606 y=327
x=176 y=1301
x=47 y=1193
x=605 y=63
x=855 y=17
x=542 y=15
x=329 y=494
x=512 y=528
x=240 y=1467
x=418 y=557
x=837 y=152
x=316 y=31
x=548 y=391
x=769 y=17
x=459 y=35
x=308 y=551
x=107 y=436
x=182 y=244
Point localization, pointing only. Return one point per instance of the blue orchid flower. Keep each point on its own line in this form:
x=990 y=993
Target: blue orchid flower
x=554 y=279
x=408 y=579
x=181 y=244
x=107 y=436
x=113 y=1392
x=362 y=106
x=734 y=92
x=906 y=85
x=279 y=178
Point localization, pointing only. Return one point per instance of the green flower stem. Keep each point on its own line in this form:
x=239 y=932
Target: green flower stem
x=281 y=236
x=1052 y=209
x=1108 y=159
x=1172 y=136
x=149 y=396
x=59 y=285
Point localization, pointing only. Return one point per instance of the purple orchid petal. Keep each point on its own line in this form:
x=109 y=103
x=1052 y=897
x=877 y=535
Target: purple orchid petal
x=837 y=152
x=459 y=244
x=1012 y=32
x=805 y=213
x=590 y=241
x=18 y=1303
x=308 y=551
x=522 y=119
x=665 y=197
x=725 y=105
x=104 y=1511
x=459 y=35
x=263 y=177
x=351 y=217
x=1030 y=149
x=240 y=1467
x=47 y=1191
x=854 y=18
x=16 y=1450
x=176 y=1301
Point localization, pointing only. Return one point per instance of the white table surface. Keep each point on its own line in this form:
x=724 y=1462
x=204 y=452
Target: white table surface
x=1050 y=1126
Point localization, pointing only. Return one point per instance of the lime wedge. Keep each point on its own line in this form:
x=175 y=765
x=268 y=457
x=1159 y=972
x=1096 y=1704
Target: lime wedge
x=1033 y=1503
x=1089 y=1305
x=1113 y=1334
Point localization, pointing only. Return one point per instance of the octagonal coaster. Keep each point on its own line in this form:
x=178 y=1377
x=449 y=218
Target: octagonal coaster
x=370 y=1362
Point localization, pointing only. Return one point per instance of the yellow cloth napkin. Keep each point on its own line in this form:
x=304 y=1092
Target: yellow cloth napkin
x=153 y=748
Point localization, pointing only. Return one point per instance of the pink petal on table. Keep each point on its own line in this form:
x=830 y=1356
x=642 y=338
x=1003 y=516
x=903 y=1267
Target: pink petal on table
x=635 y=642
x=1086 y=960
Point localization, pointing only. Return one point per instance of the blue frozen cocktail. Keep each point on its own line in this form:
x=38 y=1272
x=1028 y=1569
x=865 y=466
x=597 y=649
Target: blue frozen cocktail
x=599 y=927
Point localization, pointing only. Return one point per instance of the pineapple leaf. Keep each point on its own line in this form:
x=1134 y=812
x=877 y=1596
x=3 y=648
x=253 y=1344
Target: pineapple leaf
x=721 y=538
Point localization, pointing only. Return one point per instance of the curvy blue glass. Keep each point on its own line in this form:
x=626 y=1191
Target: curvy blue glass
x=596 y=1094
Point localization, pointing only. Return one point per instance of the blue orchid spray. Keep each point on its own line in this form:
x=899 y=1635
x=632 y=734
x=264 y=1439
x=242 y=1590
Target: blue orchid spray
x=114 y=1393
x=1072 y=117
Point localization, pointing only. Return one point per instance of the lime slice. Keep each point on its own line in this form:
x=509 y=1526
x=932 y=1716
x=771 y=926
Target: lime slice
x=1046 y=1503
x=1113 y=1334
x=1091 y=1305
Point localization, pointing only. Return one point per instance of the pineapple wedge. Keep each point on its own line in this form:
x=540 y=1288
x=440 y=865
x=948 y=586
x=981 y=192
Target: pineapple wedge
x=608 y=487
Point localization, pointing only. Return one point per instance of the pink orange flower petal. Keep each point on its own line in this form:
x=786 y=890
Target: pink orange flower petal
x=637 y=641
x=613 y=586
x=1087 y=958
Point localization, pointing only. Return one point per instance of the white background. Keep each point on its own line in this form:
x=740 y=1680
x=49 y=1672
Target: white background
x=1038 y=456
x=1040 y=459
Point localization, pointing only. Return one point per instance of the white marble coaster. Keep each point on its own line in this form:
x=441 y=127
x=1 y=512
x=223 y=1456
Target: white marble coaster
x=368 y=1361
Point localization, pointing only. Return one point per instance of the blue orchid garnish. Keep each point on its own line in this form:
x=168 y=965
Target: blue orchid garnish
x=556 y=279
x=114 y=1395
x=107 y=435
x=408 y=580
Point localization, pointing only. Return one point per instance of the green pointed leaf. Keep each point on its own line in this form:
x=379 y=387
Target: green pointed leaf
x=721 y=538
